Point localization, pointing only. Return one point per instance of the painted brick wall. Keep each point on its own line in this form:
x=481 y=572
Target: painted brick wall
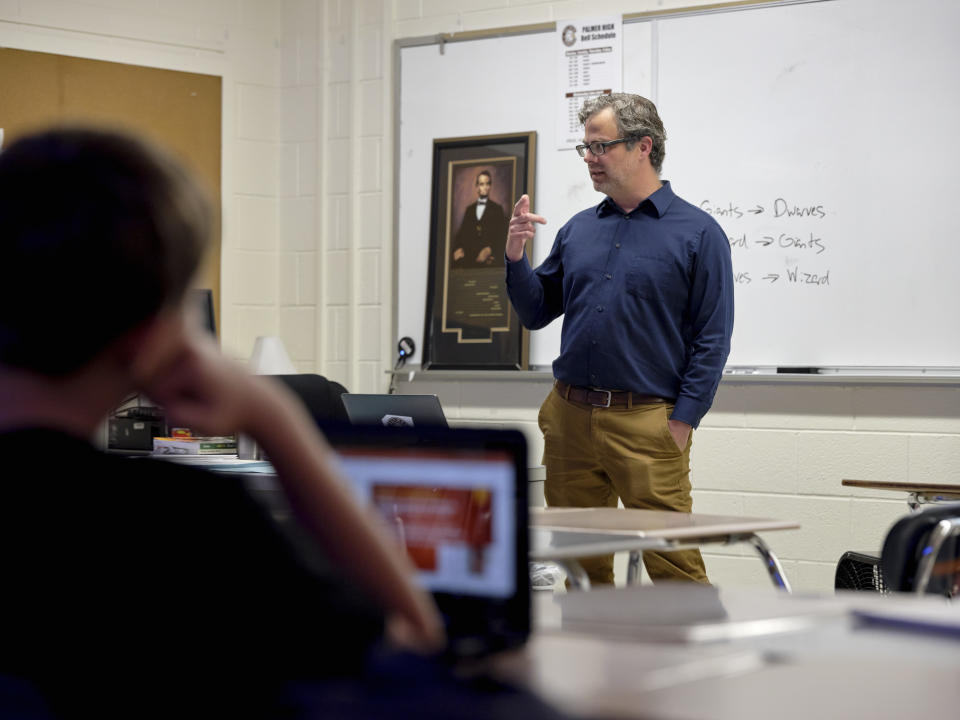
x=355 y=197
x=779 y=451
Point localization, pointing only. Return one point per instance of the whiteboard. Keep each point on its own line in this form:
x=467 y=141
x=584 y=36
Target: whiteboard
x=820 y=135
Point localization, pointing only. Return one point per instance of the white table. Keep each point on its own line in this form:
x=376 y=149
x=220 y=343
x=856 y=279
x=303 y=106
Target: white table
x=919 y=493
x=681 y=652
x=564 y=534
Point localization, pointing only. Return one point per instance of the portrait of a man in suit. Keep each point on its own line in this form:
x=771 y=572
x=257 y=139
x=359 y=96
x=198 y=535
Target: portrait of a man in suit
x=476 y=182
x=481 y=236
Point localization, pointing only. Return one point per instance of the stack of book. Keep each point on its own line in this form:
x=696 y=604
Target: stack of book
x=195 y=446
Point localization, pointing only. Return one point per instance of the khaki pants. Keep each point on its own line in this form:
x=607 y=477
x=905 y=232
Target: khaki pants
x=595 y=455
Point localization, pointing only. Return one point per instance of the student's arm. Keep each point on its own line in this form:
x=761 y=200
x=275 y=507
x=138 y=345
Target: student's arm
x=203 y=390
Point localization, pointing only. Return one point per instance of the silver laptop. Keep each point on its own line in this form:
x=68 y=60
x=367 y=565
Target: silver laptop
x=394 y=410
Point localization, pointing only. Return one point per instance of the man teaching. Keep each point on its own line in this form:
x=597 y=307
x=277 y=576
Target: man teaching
x=645 y=284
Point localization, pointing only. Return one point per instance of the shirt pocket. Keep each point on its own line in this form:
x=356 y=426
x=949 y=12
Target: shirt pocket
x=656 y=278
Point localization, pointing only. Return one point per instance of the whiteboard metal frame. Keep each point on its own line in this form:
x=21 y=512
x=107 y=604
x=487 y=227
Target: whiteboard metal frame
x=732 y=376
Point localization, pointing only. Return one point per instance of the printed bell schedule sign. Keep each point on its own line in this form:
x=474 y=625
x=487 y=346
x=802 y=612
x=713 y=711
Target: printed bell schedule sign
x=589 y=64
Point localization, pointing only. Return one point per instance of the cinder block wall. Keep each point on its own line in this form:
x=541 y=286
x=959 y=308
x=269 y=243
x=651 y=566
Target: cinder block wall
x=777 y=450
x=308 y=253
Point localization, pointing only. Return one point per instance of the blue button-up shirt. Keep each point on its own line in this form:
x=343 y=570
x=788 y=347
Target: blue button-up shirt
x=647 y=300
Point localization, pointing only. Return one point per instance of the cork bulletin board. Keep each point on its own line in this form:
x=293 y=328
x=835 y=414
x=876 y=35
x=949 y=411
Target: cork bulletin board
x=178 y=110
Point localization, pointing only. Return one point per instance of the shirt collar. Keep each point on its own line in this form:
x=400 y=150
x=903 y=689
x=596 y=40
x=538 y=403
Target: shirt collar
x=656 y=204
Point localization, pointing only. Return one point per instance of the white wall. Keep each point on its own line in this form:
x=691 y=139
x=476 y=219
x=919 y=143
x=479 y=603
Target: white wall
x=308 y=254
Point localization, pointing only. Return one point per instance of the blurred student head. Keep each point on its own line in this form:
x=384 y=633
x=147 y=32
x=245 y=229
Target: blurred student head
x=99 y=232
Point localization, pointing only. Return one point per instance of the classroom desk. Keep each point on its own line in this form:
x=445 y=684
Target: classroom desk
x=918 y=493
x=741 y=654
x=564 y=534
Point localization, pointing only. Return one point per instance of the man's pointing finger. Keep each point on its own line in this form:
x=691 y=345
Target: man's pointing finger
x=523 y=206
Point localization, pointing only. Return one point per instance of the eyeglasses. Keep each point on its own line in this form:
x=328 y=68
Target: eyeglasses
x=597 y=147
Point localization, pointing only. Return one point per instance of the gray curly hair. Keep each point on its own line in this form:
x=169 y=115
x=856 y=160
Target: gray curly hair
x=636 y=118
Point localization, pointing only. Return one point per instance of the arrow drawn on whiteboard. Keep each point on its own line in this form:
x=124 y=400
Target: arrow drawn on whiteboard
x=757 y=210
x=772 y=277
x=767 y=240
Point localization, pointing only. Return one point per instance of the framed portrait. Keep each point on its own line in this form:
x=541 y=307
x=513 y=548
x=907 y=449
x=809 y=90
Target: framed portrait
x=469 y=321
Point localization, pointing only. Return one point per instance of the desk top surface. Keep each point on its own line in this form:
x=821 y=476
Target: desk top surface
x=905 y=486
x=560 y=533
x=790 y=657
x=650 y=523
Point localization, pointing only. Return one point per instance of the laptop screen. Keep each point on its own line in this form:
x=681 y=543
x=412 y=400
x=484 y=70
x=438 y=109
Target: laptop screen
x=453 y=510
x=456 y=499
x=394 y=410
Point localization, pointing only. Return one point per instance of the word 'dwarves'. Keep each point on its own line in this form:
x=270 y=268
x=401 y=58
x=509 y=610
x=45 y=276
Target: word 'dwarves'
x=781 y=208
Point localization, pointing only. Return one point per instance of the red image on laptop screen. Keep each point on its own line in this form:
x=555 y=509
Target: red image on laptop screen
x=454 y=511
x=429 y=520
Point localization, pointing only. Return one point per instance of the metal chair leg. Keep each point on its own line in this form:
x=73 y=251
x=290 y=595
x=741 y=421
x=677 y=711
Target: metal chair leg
x=576 y=575
x=633 y=567
x=774 y=568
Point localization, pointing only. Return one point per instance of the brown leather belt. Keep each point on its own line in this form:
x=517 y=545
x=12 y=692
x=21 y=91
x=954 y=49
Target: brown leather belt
x=605 y=398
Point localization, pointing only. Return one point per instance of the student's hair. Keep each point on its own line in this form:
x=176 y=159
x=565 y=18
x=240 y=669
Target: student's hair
x=98 y=232
x=636 y=118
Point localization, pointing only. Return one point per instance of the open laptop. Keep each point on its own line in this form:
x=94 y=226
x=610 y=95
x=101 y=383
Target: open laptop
x=457 y=499
x=394 y=410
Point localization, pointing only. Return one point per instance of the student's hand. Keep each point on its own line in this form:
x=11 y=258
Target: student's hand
x=680 y=432
x=427 y=638
x=521 y=228
x=201 y=389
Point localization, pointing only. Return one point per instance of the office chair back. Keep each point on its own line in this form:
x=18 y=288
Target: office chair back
x=921 y=553
x=320 y=396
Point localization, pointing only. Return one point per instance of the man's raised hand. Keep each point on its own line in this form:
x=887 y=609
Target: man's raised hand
x=521 y=228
